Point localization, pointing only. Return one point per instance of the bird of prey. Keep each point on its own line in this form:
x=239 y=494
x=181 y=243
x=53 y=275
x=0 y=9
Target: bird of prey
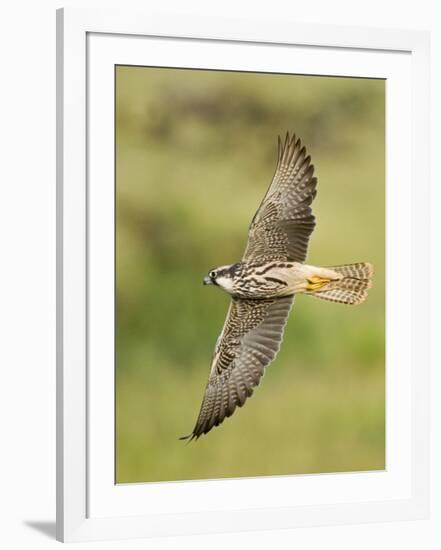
x=264 y=282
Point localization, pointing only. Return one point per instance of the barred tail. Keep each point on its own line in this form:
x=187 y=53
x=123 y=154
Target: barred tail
x=350 y=288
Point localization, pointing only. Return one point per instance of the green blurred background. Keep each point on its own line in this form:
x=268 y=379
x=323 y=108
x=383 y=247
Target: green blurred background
x=195 y=152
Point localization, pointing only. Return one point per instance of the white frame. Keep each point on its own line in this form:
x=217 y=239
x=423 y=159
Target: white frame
x=73 y=518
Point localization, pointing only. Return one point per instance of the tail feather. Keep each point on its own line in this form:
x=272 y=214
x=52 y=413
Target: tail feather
x=351 y=288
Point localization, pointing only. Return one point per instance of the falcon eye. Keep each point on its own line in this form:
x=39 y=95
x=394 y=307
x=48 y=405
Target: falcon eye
x=212 y=274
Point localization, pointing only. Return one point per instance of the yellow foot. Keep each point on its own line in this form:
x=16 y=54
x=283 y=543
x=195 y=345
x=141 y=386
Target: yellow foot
x=316 y=282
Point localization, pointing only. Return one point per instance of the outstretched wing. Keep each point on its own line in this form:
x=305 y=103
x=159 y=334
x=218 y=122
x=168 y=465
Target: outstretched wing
x=249 y=341
x=282 y=225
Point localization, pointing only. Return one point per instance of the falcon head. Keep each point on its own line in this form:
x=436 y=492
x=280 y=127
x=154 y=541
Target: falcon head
x=224 y=276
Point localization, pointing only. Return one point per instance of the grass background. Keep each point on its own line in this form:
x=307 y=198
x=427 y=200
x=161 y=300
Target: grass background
x=195 y=152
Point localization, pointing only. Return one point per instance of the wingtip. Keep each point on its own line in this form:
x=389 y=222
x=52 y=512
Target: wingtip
x=289 y=142
x=279 y=148
x=188 y=437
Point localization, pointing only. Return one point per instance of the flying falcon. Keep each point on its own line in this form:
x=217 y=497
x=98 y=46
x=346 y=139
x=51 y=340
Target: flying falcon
x=263 y=285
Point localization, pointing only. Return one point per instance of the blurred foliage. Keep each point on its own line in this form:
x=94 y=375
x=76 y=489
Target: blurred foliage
x=195 y=153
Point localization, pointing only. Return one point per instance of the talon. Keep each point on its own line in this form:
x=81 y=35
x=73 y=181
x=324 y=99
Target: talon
x=315 y=282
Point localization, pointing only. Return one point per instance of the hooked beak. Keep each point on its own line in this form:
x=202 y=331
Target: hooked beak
x=207 y=281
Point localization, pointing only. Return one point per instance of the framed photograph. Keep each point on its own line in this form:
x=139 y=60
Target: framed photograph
x=242 y=250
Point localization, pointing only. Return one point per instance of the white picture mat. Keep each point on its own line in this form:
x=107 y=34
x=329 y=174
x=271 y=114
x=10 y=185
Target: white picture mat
x=104 y=497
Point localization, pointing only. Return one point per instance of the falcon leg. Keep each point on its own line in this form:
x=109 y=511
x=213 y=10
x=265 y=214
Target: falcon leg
x=315 y=282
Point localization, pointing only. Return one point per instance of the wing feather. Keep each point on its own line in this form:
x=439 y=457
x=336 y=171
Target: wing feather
x=249 y=341
x=283 y=223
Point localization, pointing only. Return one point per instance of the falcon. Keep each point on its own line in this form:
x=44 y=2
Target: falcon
x=264 y=282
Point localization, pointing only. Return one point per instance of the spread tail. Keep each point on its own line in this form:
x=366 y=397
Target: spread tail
x=350 y=285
